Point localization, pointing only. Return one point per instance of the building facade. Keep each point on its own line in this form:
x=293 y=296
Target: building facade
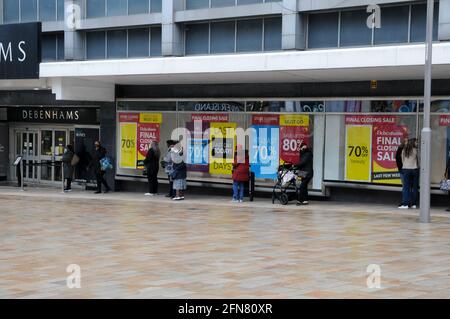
x=344 y=76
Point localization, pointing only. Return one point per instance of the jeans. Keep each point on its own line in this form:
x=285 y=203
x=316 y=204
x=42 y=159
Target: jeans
x=410 y=187
x=238 y=187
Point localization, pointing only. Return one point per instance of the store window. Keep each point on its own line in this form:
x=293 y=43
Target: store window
x=323 y=30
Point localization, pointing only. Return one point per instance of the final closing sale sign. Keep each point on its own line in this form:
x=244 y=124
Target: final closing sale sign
x=137 y=132
x=222 y=146
x=371 y=146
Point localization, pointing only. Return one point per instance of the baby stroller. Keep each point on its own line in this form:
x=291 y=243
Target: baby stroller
x=288 y=182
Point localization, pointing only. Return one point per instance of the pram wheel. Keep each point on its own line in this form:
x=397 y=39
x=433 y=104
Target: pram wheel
x=284 y=199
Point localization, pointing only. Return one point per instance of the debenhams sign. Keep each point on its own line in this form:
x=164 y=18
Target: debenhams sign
x=50 y=114
x=20 y=51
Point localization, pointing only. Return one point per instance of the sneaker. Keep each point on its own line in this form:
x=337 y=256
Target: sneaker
x=241 y=201
x=305 y=202
x=182 y=198
x=234 y=200
x=413 y=207
x=149 y=194
x=403 y=207
x=176 y=198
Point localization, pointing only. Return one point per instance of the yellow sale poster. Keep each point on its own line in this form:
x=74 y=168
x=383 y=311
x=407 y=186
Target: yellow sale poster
x=222 y=146
x=128 y=145
x=294 y=120
x=150 y=118
x=358 y=153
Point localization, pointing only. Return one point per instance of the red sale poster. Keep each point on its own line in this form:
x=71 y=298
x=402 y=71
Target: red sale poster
x=385 y=141
x=146 y=134
x=291 y=138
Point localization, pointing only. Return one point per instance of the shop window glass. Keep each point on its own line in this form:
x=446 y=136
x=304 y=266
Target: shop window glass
x=138 y=42
x=60 y=42
x=354 y=30
x=442 y=106
x=146 y=106
x=323 y=30
x=440 y=145
x=419 y=22
x=240 y=2
x=394 y=25
x=95 y=8
x=47 y=10
x=403 y=106
x=272 y=34
x=49 y=47
x=222 y=37
x=156 y=6
x=10 y=11
x=95 y=45
x=197 y=36
x=138 y=6
x=116 y=7
x=196 y=4
x=28 y=10
x=249 y=35
x=60 y=10
x=155 y=45
x=117 y=44
x=222 y=3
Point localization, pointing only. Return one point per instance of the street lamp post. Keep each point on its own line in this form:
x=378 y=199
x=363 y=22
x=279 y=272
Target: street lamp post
x=425 y=167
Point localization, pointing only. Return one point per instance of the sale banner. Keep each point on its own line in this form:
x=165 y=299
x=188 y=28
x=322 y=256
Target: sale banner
x=210 y=117
x=291 y=138
x=146 y=134
x=294 y=120
x=264 y=151
x=385 y=141
x=127 y=134
x=444 y=120
x=155 y=118
x=266 y=119
x=358 y=156
x=197 y=147
x=222 y=146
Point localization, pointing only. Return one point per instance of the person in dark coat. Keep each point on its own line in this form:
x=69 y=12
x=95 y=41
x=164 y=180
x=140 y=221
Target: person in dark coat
x=306 y=166
x=241 y=174
x=398 y=159
x=67 y=167
x=98 y=154
x=447 y=174
x=151 y=164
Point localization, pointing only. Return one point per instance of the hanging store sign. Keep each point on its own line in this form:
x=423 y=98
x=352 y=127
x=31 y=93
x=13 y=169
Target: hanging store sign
x=20 y=51
x=50 y=114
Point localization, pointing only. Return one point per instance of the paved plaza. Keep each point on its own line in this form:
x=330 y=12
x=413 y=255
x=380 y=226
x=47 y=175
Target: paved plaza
x=131 y=246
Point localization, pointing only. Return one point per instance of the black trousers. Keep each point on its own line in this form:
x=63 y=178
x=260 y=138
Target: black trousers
x=68 y=183
x=152 y=183
x=101 y=180
x=171 y=190
x=303 y=189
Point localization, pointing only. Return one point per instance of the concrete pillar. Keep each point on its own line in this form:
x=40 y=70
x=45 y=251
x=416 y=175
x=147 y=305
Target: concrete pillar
x=172 y=33
x=444 y=20
x=293 y=27
x=73 y=39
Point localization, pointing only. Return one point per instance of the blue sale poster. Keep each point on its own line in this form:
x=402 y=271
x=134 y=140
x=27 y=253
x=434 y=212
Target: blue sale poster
x=264 y=151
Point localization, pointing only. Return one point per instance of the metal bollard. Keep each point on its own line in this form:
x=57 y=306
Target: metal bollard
x=21 y=176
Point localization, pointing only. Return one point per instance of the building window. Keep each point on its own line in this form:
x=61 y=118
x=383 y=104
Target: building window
x=354 y=30
x=116 y=44
x=95 y=8
x=197 y=38
x=272 y=34
x=28 y=10
x=138 y=40
x=116 y=7
x=200 y=4
x=323 y=30
x=419 y=22
x=60 y=10
x=11 y=11
x=155 y=6
x=222 y=37
x=240 y=2
x=155 y=41
x=394 y=25
x=196 y=4
x=249 y=35
x=138 y=6
x=47 y=10
x=52 y=47
x=95 y=45
x=222 y=3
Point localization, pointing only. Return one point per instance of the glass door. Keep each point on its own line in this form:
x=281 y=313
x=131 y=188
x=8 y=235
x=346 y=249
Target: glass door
x=27 y=147
x=53 y=143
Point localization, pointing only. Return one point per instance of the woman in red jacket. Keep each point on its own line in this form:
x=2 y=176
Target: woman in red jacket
x=241 y=174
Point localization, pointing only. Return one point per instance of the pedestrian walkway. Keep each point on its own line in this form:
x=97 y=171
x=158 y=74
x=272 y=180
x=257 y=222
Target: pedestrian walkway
x=130 y=246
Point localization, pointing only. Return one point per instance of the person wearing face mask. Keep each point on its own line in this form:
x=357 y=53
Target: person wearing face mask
x=67 y=167
x=410 y=159
x=306 y=167
x=98 y=154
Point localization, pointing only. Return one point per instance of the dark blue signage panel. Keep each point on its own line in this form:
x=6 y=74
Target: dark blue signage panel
x=20 y=51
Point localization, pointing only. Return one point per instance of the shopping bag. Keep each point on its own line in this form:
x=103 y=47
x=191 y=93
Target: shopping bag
x=75 y=160
x=105 y=163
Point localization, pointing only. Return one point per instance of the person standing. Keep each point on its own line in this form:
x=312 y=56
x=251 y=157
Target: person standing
x=306 y=166
x=167 y=164
x=67 y=167
x=241 y=174
x=398 y=160
x=151 y=164
x=98 y=154
x=410 y=159
x=179 y=172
